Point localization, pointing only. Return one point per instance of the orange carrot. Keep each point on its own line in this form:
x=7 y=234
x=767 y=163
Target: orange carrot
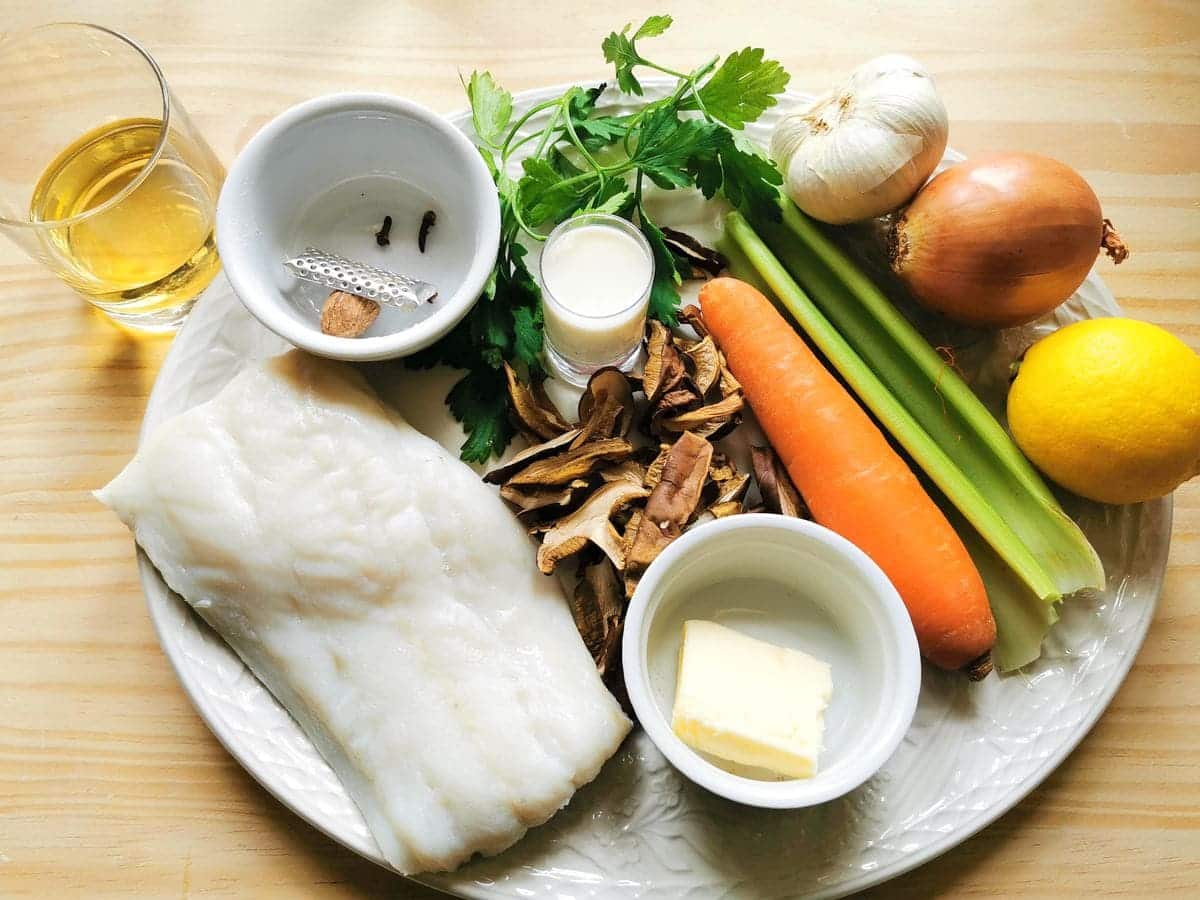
x=851 y=478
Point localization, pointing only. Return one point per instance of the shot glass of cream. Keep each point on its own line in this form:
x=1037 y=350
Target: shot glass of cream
x=596 y=272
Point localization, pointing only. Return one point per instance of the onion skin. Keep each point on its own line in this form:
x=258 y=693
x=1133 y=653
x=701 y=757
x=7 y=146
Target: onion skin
x=1000 y=239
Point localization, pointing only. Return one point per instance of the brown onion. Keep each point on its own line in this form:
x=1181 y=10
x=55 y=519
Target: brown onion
x=1001 y=239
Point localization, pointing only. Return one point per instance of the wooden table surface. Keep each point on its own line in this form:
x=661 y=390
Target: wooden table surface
x=111 y=785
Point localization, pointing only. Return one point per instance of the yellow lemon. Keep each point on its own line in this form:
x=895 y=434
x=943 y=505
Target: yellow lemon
x=1110 y=409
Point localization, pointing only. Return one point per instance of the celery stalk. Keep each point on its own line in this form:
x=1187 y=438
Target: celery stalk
x=1023 y=599
x=941 y=402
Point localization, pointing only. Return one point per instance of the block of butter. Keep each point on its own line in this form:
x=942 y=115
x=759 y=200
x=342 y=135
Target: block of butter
x=749 y=701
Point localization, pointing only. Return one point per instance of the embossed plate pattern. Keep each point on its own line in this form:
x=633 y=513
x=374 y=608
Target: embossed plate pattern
x=640 y=830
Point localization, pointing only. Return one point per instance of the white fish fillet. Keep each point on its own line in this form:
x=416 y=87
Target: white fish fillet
x=385 y=596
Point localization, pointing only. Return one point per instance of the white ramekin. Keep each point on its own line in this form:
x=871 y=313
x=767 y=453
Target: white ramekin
x=797 y=584
x=325 y=141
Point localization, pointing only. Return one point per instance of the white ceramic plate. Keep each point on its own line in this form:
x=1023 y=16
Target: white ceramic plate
x=640 y=830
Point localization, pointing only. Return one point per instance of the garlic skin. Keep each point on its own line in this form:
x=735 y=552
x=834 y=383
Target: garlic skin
x=865 y=148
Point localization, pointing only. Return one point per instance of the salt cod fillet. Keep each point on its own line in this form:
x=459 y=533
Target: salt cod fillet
x=385 y=596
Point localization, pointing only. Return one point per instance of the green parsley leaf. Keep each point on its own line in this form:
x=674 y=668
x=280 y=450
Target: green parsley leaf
x=653 y=27
x=527 y=334
x=614 y=199
x=491 y=107
x=545 y=196
x=618 y=50
x=596 y=132
x=751 y=181
x=491 y=332
x=526 y=299
x=666 y=144
x=664 y=291
x=583 y=102
x=601 y=131
x=561 y=164
x=742 y=89
x=747 y=179
x=621 y=51
x=479 y=400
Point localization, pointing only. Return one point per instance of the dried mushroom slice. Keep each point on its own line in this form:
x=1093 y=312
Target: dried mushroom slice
x=591 y=523
x=733 y=490
x=535 y=417
x=629 y=470
x=726 y=488
x=671 y=504
x=599 y=611
x=729 y=385
x=654 y=470
x=664 y=370
x=631 y=528
x=691 y=315
x=504 y=471
x=532 y=500
x=709 y=421
x=726 y=508
x=721 y=468
x=778 y=493
x=579 y=462
x=682 y=399
x=704 y=364
x=606 y=407
x=694 y=253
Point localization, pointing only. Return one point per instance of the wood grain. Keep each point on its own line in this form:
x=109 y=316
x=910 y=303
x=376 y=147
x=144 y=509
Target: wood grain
x=111 y=786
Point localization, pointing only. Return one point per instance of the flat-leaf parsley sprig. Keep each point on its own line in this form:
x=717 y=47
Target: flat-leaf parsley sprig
x=584 y=162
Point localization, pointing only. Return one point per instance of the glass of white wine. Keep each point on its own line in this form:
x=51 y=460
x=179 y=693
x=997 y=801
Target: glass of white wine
x=102 y=175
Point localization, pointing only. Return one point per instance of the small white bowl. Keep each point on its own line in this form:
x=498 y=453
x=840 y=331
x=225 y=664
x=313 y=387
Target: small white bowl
x=795 y=584
x=325 y=173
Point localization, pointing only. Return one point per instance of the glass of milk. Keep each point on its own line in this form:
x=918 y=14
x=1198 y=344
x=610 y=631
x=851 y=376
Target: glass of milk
x=596 y=272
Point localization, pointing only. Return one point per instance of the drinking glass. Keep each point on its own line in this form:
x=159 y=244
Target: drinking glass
x=103 y=178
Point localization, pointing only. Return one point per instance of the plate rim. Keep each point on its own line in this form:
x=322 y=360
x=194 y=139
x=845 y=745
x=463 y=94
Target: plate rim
x=159 y=599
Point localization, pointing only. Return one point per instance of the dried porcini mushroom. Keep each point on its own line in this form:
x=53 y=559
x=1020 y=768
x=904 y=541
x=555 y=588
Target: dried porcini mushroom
x=706 y=400
x=606 y=407
x=725 y=484
x=578 y=462
x=671 y=504
x=691 y=315
x=533 y=499
x=704 y=364
x=721 y=468
x=725 y=508
x=664 y=369
x=347 y=315
x=682 y=399
x=654 y=470
x=729 y=385
x=709 y=421
x=631 y=528
x=504 y=471
x=778 y=493
x=599 y=610
x=685 y=247
x=539 y=419
x=627 y=470
x=591 y=523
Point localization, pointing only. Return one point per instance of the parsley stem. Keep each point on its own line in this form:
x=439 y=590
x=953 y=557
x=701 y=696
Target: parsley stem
x=663 y=69
x=529 y=114
x=516 y=208
x=550 y=128
x=570 y=129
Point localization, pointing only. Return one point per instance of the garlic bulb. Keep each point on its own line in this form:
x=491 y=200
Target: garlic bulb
x=862 y=150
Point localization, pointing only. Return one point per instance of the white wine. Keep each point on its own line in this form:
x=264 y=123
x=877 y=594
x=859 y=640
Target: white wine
x=151 y=250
